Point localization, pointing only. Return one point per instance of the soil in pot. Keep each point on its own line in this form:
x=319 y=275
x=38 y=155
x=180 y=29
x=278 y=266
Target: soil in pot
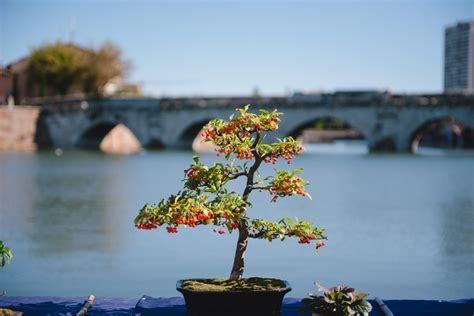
x=252 y=296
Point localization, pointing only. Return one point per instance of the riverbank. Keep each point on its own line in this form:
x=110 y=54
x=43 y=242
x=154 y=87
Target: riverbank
x=18 y=133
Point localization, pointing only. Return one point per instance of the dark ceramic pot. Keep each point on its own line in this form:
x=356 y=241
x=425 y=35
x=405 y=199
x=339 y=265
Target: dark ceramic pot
x=233 y=303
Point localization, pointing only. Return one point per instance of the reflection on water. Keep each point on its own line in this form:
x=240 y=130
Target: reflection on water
x=457 y=234
x=398 y=226
x=74 y=206
x=436 y=151
x=348 y=147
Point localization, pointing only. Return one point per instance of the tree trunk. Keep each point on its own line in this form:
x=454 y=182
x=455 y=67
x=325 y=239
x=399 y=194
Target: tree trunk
x=238 y=267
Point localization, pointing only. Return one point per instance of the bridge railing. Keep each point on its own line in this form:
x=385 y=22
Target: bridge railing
x=325 y=100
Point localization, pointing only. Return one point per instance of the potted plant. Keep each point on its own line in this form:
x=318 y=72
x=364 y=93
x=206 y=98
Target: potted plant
x=336 y=301
x=5 y=254
x=205 y=200
x=5 y=257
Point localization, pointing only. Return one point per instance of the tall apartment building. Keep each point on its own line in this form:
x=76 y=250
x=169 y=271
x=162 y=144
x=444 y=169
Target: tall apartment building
x=459 y=58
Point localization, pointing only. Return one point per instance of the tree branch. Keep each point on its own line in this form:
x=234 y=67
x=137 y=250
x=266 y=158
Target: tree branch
x=238 y=136
x=236 y=175
x=257 y=235
x=261 y=188
x=255 y=143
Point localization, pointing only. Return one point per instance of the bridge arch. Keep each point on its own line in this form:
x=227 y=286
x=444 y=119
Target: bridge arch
x=324 y=130
x=43 y=137
x=328 y=122
x=296 y=124
x=155 y=143
x=442 y=132
x=96 y=136
x=190 y=135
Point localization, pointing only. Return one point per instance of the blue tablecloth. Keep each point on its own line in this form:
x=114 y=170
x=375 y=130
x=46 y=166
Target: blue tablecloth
x=174 y=306
x=431 y=308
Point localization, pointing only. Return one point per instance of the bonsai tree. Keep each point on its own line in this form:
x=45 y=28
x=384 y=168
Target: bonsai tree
x=205 y=200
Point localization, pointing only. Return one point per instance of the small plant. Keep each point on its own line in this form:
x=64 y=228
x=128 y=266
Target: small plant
x=5 y=254
x=337 y=301
x=205 y=200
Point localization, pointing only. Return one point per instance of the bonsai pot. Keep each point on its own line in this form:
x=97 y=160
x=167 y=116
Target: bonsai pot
x=233 y=303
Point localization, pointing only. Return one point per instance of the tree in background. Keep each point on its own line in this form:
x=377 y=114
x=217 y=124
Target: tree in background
x=56 y=66
x=101 y=66
x=65 y=68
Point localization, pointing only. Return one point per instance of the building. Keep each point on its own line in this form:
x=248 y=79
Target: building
x=5 y=86
x=459 y=58
x=21 y=89
x=117 y=86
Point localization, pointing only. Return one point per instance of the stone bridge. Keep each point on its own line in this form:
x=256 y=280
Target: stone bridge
x=174 y=123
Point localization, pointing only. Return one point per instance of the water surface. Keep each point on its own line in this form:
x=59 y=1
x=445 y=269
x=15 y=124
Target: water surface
x=399 y=226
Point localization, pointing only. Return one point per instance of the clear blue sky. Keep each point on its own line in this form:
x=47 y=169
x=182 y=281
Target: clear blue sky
x=223 y=47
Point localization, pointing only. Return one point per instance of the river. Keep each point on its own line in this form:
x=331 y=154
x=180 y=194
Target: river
x=399 y=226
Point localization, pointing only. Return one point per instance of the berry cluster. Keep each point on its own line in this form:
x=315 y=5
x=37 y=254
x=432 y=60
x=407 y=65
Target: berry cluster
x=195 y=173
x=235 y=136
x=288 y=151
x=245 y=154
x=172 y=230
x=289 y=187
x=197 y=176
x=147 y=219
x=269 y=124
x=250 y=123
x=209 y=134
x=287 y=184
x=233 y=226
x=191 y=222
x=147 y=226
x=305 y=239
x=242 y=153
x=194 y=216
x=320 y=244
